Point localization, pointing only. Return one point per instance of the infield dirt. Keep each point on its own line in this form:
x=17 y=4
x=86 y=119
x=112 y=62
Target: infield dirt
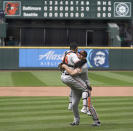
x=63 y=91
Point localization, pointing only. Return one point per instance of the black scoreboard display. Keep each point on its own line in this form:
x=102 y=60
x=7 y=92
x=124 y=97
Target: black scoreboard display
x=68 y=9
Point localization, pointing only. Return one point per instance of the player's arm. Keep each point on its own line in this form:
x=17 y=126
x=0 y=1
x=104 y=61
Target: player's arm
x=71 y=71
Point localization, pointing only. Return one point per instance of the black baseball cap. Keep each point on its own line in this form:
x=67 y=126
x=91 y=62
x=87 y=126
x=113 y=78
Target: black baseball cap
x=83 y=53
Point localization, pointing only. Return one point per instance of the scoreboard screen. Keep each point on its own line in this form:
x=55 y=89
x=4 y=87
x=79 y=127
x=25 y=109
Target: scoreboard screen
x=68 y=9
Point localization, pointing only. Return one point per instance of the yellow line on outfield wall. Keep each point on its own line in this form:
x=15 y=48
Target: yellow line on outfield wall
x=64 y=47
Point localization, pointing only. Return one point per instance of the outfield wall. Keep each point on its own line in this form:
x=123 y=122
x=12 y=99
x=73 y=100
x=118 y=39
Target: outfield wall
x=49 y=57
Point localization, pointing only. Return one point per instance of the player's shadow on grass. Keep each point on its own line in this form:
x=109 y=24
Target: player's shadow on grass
x=105 y=125
x=88 y=125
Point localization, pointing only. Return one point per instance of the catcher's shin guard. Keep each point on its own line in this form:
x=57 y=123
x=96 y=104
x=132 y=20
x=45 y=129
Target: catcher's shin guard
x=70 y=97
x=84 y=98
x=70 y=101
x=92 y=110
x=93 y=113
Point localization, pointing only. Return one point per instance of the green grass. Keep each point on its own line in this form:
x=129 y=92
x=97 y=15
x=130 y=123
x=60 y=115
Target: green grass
x=26 y=79
x=51 y=114
x=52 y=78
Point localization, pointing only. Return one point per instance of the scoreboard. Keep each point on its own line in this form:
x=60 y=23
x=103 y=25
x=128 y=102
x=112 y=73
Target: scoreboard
x=68 y=9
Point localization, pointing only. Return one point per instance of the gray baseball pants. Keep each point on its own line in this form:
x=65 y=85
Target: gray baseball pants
x=77 y=87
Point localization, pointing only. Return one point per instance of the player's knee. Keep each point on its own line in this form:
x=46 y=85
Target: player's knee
x=74 y=104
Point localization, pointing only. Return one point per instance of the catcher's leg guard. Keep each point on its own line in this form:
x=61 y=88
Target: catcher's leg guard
x=89 y=102
x=85 y=98
x=94 y=113
x=70 y=101
x=85 y=102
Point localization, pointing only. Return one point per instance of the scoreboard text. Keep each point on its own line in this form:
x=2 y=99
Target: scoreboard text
x=68 y=9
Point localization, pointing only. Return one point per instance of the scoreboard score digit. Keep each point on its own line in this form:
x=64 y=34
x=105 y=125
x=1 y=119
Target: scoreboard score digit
x=68 y=9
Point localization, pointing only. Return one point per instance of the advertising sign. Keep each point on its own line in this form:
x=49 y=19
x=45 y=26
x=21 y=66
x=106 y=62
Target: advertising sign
x=98 y=58
x=40 y=57
x=50 y=58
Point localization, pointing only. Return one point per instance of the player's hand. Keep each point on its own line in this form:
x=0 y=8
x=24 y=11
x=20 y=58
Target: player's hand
x=63 y=65
x=89 y=87
x=60 y=67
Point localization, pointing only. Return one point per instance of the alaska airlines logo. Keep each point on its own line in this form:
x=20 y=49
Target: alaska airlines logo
x=12 y=8
x=98 y=58
x=51 y=55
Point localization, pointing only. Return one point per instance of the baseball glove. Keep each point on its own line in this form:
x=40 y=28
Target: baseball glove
x=60 y=67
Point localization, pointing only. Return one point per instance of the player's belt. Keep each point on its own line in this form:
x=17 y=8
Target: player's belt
x=66 y=74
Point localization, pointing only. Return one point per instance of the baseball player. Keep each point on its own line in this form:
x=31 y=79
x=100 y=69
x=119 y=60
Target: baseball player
x=72 y=54
x=85 y=98
x=70 y=58
x=78 y=75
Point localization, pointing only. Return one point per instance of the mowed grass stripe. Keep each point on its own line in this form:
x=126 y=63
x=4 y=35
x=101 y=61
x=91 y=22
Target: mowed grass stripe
x=52 y=104
x=34 y=121
x=108 y=80
x=51 y=78
x=34 y=113
x=62 y=98
x=115 y=126
x=60 y=121
x=32 y=98
x=118 y=76
x=125 y=73
x=27 y=108
x=124 y=129
x=95 y=82
x=63 y=116
x=87 y=119
x=50 y=107
x=49 y=112
x=116 y=113
x=5 y=79
x=35 y=118
x=41 y=109
x=26 y=79
x=52 y=99
x=21 y=103
x=65 y=124
x=32 y=102
x=63 y=103
x=112 y=98
x=64 y=110
x=30 y=125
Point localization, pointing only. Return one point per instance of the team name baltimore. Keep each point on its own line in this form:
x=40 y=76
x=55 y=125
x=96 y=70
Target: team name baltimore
x=30 y=8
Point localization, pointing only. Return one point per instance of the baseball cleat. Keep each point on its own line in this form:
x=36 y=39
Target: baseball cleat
x=74 y=123
x=84 y=110
x=96 y=123
x=88 y=113
x=70 y=106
